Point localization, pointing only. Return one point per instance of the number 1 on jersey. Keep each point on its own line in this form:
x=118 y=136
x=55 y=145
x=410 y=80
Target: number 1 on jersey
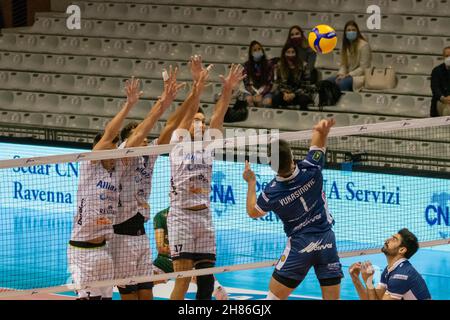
x=304 y=204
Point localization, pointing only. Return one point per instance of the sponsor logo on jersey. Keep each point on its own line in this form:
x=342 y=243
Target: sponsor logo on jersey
x=316 y=246
x=400 y=277
x=317 y=155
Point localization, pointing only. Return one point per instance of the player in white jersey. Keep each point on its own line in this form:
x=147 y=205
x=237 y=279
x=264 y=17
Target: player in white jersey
x=97 y=201
x=190 y=228
x=130 y=245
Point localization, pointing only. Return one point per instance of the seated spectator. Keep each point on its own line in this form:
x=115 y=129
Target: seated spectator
x=356 y=56
x=259 y=80
x=297 y=38
x=440 y=87
x=290 y=80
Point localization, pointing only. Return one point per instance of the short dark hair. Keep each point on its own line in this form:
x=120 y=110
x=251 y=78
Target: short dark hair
x=126 y=131
x=99 y=137
x=200 y=110
x=409 y=241
x=284 y=156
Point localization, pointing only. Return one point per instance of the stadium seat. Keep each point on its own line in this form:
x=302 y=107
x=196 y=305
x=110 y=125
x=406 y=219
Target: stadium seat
x=47 y=102
x=78 y=122
x=10 y=117
x=346 y=6
x=398 y=6
x=93 y=123
x=23 y=101
x=351 y=101
x=6 y=99
x=180 y=51
x=55 y=120
x=35 y=119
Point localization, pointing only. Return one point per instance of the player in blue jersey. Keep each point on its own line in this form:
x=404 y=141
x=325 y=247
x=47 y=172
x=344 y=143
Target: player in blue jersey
x=297 y=198
x=399 y=280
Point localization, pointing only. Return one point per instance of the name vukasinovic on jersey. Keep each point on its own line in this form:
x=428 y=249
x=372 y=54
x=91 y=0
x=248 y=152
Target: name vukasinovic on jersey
x=402 y=281
x=136 y=185
x=299 y=200
x=97 y=197
x=191 y=174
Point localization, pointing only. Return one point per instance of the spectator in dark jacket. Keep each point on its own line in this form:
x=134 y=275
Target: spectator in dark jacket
x=297 y=37
x=290 y=80
x=259 y=80
x=440 y=87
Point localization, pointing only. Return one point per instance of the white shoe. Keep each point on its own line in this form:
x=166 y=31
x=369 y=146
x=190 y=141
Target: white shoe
x=220 y=293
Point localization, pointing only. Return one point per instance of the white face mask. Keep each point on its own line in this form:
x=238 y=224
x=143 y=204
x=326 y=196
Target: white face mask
x=447 y=61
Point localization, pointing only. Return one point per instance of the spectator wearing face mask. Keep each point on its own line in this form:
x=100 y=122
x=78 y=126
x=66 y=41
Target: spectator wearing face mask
x=290 y=80
x=440 y=87
x=259 y=80
x=297 y=38
x=356 y=56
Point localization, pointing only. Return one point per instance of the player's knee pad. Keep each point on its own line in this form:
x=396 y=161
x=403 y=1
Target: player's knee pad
x=205 y=284
x=330 y=282
x=128 y=289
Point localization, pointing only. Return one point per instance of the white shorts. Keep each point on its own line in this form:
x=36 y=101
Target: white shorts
x=89 y=265
x=191 y=234
x=131 y=256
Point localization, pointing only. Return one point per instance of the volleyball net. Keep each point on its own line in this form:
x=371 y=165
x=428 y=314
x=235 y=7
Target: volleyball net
x=378 y=179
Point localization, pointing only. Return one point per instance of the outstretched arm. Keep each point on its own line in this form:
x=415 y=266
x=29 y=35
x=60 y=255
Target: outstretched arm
x=114 y=126
x=235 y=75
x=250 y=178
x=177 y=116
x=142 y=130
x=320 y=133
x=200 y=76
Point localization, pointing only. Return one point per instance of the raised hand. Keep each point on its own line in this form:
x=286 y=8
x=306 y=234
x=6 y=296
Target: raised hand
x=248 y=175
x=171 y=87
x=132 y=90
x=367 y=271
x=324 y=126
x=196 y=66
x=355 y=270
x=199 y=85
x=234 y=77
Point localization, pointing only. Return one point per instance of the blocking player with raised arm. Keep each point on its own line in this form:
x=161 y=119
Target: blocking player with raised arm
x=190 y=227
x=130 y=246
x=97 y=202
x=399 y=280
x=163 y=262
x=296 y=196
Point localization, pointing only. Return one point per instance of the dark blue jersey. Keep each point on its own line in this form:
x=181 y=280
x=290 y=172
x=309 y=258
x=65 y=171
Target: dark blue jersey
x=299 y=200
x=402 y=281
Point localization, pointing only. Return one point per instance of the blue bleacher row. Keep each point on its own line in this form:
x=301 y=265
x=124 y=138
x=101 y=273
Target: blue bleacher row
x=412 y=7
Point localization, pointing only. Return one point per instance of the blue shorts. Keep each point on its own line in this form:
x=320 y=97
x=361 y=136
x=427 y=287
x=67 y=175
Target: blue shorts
x=304 y=251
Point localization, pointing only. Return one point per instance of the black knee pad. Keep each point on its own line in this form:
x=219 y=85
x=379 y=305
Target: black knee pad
x=329 y=282
x=205 y=284
x=128 y=289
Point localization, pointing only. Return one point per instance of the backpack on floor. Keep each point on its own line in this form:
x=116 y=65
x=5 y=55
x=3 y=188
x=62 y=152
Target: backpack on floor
x=239 y=112
x=329 y=93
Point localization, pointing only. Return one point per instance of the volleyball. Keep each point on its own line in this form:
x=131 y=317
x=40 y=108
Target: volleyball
x=322 y=39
